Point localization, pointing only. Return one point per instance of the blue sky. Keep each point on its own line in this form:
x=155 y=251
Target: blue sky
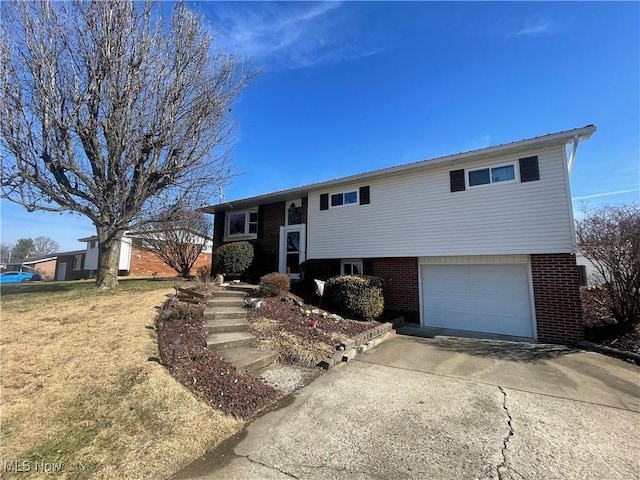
x=356 y=86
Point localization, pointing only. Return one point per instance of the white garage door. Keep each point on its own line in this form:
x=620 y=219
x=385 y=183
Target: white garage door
x=478 y=298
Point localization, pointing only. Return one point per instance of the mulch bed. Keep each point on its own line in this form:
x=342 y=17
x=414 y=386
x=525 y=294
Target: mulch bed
x=601 y=327
x=183 y=350
x=291 y=315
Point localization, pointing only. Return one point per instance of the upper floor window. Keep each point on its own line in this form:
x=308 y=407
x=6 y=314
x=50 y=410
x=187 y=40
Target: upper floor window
x=527 y=171
x=242 y=224
x=488 y=175
x=344 y=198
x=357 y=196
x=93 y=244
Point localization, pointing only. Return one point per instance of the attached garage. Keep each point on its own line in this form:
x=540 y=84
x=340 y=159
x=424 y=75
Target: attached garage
x=493 y=298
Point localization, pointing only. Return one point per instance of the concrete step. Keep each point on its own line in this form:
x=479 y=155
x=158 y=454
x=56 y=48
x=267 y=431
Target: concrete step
x=216 y=313
x=222 y=325
x=220 y=341
x=226 y=302
x=247 y=358
x=227 y=292
x=242 y=288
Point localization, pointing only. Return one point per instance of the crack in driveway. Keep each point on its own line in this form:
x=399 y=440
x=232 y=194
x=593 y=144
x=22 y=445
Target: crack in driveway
x=504 y=470
x=314 y=467
x=248 y=457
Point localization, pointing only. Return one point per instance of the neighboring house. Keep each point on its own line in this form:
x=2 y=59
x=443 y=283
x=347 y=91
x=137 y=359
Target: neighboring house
x=45 y=265
x=91 y=255
x=138 y=260
x=70 y=266
x=589 y=274
x=482 y=241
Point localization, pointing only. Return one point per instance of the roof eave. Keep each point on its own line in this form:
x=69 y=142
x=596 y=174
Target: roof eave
x=553 y=139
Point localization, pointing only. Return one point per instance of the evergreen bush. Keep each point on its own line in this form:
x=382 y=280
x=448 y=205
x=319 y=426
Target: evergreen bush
x=233 y=258
x=355 y=296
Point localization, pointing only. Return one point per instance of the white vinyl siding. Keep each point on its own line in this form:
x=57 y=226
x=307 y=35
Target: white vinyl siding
x=415 y=214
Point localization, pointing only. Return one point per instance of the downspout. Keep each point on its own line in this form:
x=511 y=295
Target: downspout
x=576 y=140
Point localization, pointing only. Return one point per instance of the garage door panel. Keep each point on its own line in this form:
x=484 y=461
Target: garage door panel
x=480 y=298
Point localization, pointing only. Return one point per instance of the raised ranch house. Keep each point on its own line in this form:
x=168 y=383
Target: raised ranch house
x=482 y=241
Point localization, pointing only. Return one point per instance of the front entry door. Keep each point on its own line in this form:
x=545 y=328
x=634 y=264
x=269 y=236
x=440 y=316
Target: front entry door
x=292 y=249
x=62 y=272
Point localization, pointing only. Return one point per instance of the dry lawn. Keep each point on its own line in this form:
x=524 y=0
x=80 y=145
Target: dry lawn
x=77 y=386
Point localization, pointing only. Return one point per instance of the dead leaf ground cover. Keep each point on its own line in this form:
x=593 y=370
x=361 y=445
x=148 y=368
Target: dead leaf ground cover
x=602 y=328
x=77 y=387
x=302 y=334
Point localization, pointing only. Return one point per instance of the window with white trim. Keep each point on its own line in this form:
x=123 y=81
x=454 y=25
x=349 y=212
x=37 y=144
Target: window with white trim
x=77 y=262
x=495 y=174
x=351 y=266
x=241 y=224
x=344 y=198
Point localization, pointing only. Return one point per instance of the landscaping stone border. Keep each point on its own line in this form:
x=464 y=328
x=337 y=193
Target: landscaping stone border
x=360 y=343
x=610 y=351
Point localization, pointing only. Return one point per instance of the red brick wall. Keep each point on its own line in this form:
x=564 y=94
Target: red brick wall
x=267 y=245
x=144 y=263
x=556 y=291
x=46 y=269
x=401 y=293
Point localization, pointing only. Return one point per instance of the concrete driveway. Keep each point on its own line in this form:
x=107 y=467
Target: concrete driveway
x=448 y=408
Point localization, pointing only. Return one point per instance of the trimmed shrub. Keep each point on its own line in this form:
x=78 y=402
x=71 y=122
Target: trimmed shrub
x=233 y=258
x=355 y=296
x=273 y=284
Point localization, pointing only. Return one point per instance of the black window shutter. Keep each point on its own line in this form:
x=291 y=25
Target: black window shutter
x=456 y=178
x=365 y=199
x=260 y=221
x=324 y=201
x=367 y=267
x=529 y=171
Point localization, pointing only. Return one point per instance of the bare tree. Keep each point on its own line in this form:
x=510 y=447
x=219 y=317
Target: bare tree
x=44 y=246
x=5 y=251
x=110 y=111
x=610 y=238
x=177 y=240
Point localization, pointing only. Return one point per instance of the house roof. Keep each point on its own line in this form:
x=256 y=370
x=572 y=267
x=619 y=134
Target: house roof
x=25 y=261
x=140 y=234
x=549 y=140
x=74 y=252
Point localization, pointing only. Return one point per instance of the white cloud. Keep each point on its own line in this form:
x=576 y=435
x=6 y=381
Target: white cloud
x=286 y=35
x=606 y=194
x=534 y=29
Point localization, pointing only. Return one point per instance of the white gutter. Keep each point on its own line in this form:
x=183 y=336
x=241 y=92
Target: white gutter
x=576 y=141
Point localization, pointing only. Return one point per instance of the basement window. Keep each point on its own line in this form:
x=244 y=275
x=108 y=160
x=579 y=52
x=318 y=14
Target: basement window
x=351 y=267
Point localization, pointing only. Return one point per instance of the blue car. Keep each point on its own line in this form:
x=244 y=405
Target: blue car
x=19 y=277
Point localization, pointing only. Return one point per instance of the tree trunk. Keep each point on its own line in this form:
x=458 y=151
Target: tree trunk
x=108 y=258
x=185 y=273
